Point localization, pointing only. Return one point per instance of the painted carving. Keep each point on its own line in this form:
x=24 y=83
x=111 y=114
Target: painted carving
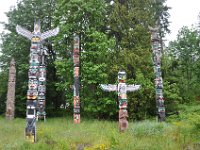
x=42 y=73
x=76 y=86
x=156 y=47
x=37 y=77
x=33 y=72
x=122 y=88
x=10 y=103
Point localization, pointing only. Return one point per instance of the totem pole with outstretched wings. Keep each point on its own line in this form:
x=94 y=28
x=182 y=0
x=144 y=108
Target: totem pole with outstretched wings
x=37 y=77
x=121 y=88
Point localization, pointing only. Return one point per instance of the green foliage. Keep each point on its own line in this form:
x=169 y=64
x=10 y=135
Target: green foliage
x=149 y=128
x=3 y=91
x=113 y=36
x=187 y=121
x=172 y=96
x=194 y=118
x=142 y=106
x=94 y=71
x=183 y=70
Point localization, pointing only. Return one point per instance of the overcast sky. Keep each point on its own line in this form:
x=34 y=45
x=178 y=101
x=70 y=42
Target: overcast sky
x=5 y=7
x=183 y=13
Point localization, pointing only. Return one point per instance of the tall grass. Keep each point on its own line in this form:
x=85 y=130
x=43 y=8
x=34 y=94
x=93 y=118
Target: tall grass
x=63 y=134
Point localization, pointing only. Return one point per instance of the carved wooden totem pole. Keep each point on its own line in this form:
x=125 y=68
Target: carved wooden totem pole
x=156 y=48
x=122 y=88
x=10 y=104
x=76 y=86
x=37 y=77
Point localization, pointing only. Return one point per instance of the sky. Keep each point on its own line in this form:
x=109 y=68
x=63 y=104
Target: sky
x=5 y=7
x=183 y=13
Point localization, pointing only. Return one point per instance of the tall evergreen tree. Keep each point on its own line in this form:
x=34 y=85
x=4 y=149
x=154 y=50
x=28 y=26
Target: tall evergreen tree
x=184 y=53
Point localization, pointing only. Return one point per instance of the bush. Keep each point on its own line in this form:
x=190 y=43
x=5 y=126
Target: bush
x=149 y=128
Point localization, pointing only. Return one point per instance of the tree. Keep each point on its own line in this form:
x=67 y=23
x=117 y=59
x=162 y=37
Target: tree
x=184 y=52
x=128 y=22
x=114 y=35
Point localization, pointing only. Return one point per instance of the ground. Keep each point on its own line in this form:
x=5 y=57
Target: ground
x=63 y=134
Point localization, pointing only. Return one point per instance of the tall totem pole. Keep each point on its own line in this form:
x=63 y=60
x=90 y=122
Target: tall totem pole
x=10 y=104
x=37 y=77
x=157 y=53
x=121 y=88
x=76 y=86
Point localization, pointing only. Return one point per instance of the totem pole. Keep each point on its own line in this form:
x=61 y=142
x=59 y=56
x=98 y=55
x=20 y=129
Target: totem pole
x=10 y=104
x=156 y=47
x=121 y=88
x=37 y=77
x=76 y=86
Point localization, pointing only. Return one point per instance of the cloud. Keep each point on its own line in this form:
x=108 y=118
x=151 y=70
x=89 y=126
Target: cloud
x=183 y=13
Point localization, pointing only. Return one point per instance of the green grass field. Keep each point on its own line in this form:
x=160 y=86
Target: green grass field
x=62 y=134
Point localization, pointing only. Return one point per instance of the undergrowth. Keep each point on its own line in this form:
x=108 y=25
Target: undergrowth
x=179 y=132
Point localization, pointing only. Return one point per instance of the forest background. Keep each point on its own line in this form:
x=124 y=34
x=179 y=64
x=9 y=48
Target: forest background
x=114 y=36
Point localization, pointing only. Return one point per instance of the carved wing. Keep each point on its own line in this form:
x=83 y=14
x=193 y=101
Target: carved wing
x=24 y=32
x=108 y=87
x=133 y=87
x=153 y=29
x=49 y=33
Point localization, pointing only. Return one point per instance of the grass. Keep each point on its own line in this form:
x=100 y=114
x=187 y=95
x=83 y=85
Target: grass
x=63 y=134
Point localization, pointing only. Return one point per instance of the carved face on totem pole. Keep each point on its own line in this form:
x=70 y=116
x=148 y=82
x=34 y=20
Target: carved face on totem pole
x=122 y=103
x=156 y=46
x=76 y=51
x=157 y=58
x=76 y=101
x=41 y=95
x=159 y=82
x=32 y=84
x=35 y=39
x=42 y=73
x=41 y=105
x=122 y=89
x=76 y=40
x=35 y=44
x=123 y=123
x=34 y=59
x=157 y=70
x=33 y=72
x=159 y=93
x=30 y=111
x=32 y=94
x=155 y=35
x=76 y=71
x=122 y=76
x=161 y=111
x=34 y=47
x=122 y=96
x=76 y=56
x=160 y=102
x=42 y=88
